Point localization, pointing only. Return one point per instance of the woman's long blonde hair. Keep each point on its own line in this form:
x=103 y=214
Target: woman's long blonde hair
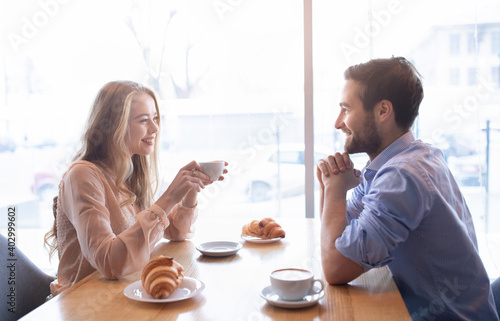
x=104 y=143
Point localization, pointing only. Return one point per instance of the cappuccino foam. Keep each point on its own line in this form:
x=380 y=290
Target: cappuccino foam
x=292 y=275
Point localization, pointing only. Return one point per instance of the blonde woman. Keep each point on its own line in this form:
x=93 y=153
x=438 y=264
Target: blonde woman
x=106 y=219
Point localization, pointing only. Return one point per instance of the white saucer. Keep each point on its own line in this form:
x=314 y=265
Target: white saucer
x=188 y=289
x=219 y=248
x=273 y=299
x=253 y=239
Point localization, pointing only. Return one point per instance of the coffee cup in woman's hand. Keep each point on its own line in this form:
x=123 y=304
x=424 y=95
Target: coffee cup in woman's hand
x=213 y=169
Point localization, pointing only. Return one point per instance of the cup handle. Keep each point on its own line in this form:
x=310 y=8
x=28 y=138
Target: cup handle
x=321 y=287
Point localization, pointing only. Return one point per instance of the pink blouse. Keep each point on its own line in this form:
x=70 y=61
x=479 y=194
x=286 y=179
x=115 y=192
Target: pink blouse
x=95 y=233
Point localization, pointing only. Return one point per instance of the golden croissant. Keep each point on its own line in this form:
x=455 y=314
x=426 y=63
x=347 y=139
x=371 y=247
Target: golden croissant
x=266 y=228
x=161 y=276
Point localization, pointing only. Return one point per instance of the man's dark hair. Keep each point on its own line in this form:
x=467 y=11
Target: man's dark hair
x=395 y=79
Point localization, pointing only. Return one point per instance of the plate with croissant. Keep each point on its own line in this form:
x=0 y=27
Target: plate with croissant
x=266 y=230
x=187 y=289
x=162 y=280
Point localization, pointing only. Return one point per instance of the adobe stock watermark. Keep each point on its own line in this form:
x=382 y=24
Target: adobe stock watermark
x=249 y=150
x=455 y=116
x=31 y=26
x=11 y=260
x=450 y=291
x=380 y=19
x=222 y=7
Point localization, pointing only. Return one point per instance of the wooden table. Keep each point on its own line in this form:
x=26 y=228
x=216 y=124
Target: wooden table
x=233 y=283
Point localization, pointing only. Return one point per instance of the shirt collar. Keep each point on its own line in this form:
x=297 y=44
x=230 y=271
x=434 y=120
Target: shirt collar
x=393 y=149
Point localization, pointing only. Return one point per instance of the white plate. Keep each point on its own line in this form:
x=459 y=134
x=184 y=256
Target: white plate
x=188 y=289
x=273 y=299
x=253 y=239
x=219 y=248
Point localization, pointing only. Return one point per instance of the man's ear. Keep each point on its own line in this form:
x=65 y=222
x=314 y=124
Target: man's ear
x=384 y=110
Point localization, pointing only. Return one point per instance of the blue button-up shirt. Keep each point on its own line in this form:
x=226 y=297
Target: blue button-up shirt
x=409 y=214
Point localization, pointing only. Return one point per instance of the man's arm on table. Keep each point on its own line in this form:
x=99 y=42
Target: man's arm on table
x=334 y=185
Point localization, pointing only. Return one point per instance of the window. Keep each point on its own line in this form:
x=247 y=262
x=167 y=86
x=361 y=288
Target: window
x=452 y=116
x=230 y=78
x=471 y=76
x=495 y=42
x=471 y=43
x=454 y=76
x=454 y=44
x=230 y=87
x=288 y=157
x=495 y=75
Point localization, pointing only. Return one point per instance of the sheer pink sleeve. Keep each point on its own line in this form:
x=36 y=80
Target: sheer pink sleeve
x=181 y=223
x=90 y=209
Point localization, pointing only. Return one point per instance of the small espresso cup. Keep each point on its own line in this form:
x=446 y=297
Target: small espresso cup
x=294 y=284
x=213 y=169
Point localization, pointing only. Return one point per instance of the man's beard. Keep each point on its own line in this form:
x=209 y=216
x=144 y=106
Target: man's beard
x=368 y=141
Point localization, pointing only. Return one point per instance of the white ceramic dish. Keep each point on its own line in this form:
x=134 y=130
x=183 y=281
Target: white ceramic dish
x=219 y=248
x=273 y=299
x=253 y=239
x=188 y=289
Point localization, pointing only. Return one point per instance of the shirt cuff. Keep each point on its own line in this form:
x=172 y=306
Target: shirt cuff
x=160 y=214
x=182 y=220
x=355 y=245
x=187 y=207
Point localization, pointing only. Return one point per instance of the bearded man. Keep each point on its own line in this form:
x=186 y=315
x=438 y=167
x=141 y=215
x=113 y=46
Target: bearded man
x=406 y=210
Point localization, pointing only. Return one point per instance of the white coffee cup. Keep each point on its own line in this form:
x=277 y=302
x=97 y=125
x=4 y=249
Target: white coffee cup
x=213 y=169
x=294 y=284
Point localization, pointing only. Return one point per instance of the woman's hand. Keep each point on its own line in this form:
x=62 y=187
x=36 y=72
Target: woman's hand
x=223 y=172
x=189 y=180
x=191 y=197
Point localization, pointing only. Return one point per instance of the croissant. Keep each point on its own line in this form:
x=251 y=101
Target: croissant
x=266 y=228
x=161 y=276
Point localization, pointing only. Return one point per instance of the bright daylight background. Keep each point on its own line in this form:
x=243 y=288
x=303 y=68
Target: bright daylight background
x=230 y=77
